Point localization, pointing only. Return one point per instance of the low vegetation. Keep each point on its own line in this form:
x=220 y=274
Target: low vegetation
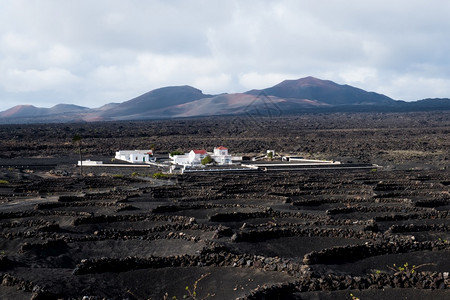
x=207 y=160
x=406 y=268
x=160 y=175
x=192 y=292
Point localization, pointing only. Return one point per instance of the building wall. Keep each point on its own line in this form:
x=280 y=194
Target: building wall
x=180 y=159
x=218 y=152
x=134 y=156
x=195 y=158
x=220 y=156
x=222 y=159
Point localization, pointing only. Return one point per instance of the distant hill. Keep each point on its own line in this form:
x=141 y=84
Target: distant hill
x=146 y=104
x=26 y=112
x=288 y=97
x=324 y=91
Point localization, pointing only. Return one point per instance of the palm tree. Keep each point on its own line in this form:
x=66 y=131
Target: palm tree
x=77 y=140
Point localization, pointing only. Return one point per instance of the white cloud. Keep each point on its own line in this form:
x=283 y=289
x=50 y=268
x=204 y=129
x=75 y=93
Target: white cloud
x=217 y=84
x=253 y=80
x=358 y=75
x=13 y=42
x=59 y=55
x=111 y=50
x=409 y=87
x=18 y=81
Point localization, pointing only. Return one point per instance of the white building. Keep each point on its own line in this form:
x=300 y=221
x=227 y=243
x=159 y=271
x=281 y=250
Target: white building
x=194 y=157
x=221 y=156
x=135 y=156
x=90 y=162
x=180 y=159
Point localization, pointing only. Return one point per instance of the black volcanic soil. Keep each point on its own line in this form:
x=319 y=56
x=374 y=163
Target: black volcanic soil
x=117 y=233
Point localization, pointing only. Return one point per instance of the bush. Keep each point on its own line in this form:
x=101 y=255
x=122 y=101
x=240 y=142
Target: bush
x=160 y=175
x=2 y=181
x=207 y=160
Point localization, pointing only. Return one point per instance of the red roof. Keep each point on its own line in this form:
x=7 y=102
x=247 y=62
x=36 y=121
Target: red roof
x=222 y=148
x=200 y=151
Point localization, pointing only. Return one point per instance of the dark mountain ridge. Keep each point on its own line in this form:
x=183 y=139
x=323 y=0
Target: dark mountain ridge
x=325 y=91
x=155 y=100
x=286 y=98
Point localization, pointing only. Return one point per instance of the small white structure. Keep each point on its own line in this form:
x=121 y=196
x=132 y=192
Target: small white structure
x=269 y=154
x=221 y=156
x=90 y=162
x=135 y=156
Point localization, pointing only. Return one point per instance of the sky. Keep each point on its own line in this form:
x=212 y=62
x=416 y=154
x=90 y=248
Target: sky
x=93 y=52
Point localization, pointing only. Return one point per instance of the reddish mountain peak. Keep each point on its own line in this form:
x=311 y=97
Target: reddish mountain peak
x=17 y=110
x=306 y=81
x=21 y=107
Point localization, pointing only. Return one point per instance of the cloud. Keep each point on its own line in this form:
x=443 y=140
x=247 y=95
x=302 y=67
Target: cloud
x=13 y=42
x=36 y=80
x=59 y=55
x=254 y=80
x=411 y=86
x=88 y=52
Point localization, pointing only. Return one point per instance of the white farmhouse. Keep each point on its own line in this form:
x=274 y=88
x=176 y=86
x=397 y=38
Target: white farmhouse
x=196 y=156
x=135 y=156
x=221 y=156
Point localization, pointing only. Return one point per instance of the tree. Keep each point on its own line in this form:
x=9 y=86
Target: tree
x=207 y=160
x=77 y=140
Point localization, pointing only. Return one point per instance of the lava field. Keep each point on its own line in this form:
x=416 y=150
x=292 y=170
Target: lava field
x=304 y=234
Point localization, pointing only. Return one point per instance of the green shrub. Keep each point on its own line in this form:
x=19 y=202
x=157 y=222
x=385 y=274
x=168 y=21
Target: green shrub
x=2 y=181
x=207 y=160
x=159 y=175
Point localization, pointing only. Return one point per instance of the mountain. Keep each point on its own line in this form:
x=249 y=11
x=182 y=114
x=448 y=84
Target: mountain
x=241 y=103
x=19 y=111
x=30 y=111
x=66 y=108
x=288 y=97
x=146 y=104
x=324 y=91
